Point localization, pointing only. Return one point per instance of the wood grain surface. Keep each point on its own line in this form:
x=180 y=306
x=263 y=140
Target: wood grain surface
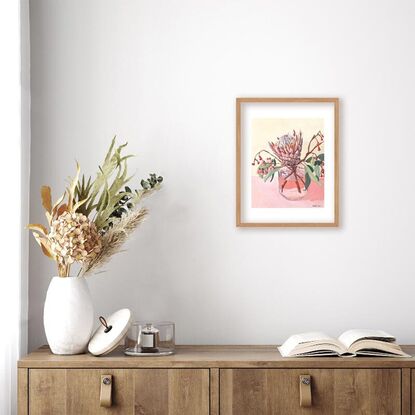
x=334 y=391
x=225 y=380
x=135 y=391
x=211 y=357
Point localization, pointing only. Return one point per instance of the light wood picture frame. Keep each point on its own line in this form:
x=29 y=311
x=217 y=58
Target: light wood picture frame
x=287 y=162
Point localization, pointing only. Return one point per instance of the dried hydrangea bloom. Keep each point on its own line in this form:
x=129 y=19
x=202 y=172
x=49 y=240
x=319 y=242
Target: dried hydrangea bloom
x=288 y=148
x=74 y=238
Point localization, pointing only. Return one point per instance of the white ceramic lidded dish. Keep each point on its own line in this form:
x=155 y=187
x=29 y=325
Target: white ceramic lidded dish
x=110 y=332
x=147 y=339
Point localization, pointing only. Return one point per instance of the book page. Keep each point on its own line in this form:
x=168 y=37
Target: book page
x=351 y=336
x=371 y=347
x=376 y=353
x=310 y=338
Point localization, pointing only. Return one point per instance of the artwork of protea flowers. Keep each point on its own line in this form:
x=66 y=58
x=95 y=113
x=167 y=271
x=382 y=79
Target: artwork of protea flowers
x=93 y=218
x=288 y=148
x=295 y=171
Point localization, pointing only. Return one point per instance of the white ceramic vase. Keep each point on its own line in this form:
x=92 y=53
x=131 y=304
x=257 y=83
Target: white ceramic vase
x=68 y=315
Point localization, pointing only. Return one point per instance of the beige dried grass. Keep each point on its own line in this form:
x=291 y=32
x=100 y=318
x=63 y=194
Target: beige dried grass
x=114 y=238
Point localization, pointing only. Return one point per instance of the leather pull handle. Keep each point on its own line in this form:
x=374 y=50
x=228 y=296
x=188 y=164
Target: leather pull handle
x=305 y=391
x=106 y=391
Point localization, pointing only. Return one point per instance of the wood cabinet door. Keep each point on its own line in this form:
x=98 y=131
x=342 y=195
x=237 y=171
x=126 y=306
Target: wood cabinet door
x=134 y=391
x=333 y=391
x=412 y=387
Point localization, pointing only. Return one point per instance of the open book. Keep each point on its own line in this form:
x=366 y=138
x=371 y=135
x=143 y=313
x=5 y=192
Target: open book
x=350 y=343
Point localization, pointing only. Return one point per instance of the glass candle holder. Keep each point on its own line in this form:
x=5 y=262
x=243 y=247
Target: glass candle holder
x=146 y=338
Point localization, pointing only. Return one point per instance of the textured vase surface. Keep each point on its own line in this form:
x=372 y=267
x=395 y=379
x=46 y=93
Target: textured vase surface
x=68 y=315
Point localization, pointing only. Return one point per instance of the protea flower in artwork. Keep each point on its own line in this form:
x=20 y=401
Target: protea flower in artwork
x=288 y=148
x=295 y=173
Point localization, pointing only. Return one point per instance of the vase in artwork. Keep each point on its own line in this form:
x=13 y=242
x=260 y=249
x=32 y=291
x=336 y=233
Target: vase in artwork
x=68 y=315
x=291 y=182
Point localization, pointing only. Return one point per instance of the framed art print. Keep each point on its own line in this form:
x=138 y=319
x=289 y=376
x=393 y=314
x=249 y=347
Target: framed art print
x=287 y=161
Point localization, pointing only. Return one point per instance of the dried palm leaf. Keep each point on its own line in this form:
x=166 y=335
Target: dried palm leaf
x=82 y=192
x=62 y=208
x=71 y=189
x=45 y=193
x=44 y=243
x=37 y=227
x=57 y=203
x=104 y=196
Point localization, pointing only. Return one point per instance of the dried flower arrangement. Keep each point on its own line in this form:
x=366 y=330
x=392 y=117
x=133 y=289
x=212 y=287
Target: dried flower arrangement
x=96 y=218
x=295 y=172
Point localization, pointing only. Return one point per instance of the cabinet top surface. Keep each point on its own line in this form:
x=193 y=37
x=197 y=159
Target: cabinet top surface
x=211 y=357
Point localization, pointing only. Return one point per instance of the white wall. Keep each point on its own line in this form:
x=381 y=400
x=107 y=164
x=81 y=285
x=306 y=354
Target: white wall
x=25 y=168
x=164 y=76
x=13 y=121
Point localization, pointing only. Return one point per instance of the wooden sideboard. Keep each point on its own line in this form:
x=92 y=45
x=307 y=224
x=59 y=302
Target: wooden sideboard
x=213 y=380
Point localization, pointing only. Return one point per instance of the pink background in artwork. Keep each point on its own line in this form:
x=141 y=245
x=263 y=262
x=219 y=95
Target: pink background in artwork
x=267 y=195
